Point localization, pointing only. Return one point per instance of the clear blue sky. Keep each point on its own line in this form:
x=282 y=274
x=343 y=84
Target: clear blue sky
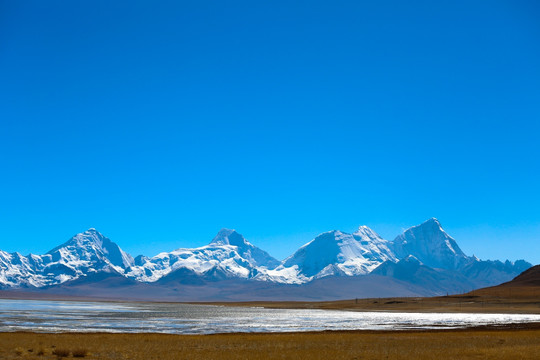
x=158 y=123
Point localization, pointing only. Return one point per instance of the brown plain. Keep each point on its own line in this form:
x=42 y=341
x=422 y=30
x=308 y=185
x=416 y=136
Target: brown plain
x=463 y=344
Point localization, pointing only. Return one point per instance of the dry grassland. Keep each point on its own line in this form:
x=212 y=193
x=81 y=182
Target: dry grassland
x=418 y=345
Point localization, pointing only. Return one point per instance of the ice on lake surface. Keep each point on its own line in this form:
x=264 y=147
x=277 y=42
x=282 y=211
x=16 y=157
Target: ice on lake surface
x=66 y=316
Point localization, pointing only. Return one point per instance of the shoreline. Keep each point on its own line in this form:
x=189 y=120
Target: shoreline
x=475 y=328
x=464 y=303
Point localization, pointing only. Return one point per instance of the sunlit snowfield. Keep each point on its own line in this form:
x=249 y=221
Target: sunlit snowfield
x=64 y=316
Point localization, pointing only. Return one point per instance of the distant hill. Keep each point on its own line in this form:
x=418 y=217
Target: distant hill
x=530 y=277
x=525 y=285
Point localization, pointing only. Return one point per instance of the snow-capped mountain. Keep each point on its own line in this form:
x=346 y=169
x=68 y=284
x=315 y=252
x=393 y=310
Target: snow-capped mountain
x=18 y=271
x=339 y=253
x=423 y=256
x=253 y=254
x=229 y=255
x=91 y=250
x=430 y=244
x=84 y=253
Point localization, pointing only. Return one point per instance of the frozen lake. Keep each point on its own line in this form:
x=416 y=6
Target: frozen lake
x=67 y=316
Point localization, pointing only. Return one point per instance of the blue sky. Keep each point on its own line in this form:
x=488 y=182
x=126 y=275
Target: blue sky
x=160 y=123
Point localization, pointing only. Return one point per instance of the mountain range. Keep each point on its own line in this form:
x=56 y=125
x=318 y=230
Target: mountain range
x=422 y=261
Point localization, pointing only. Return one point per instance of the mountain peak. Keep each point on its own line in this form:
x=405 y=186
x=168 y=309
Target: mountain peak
x=225 y=232
x=433 y=222
x=365 y=231
x=432 y=225
x=228 y=237
x=430 y=244
x=91 y=245
x=245 y=249
x=338 y=253
x=90 y=237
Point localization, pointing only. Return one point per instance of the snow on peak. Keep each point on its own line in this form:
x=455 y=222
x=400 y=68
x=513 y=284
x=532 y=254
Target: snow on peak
x=90 y=238
x=430 y=244
x=338 y=253
x=433 y=223
x=224 y=232
x=366 y=232
x=93 y=247
x=229 y=254
x=228 y=237
x=246 y=250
